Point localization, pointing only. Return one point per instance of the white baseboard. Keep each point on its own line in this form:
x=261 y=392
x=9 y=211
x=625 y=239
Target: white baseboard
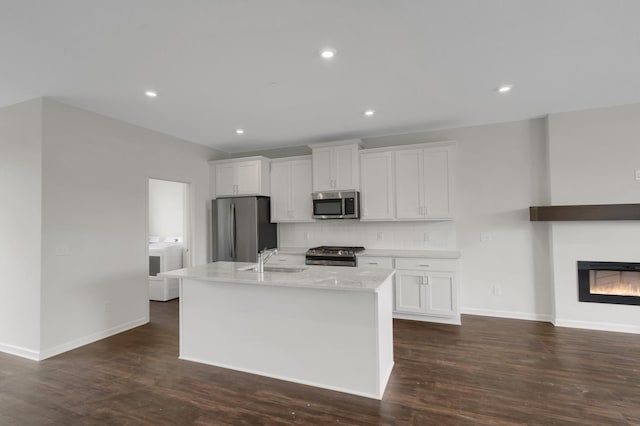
x=19 y=351
x=601 y=326
x=507 y=314
x=424 y=318
x=587 y=325
x=56 y=350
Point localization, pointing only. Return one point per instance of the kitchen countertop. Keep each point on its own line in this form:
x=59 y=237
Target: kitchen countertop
x=432 y=254
x=292 y=250
x=319 y=277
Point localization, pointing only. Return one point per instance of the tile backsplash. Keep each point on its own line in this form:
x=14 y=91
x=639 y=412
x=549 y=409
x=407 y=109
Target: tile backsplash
x=372 y=235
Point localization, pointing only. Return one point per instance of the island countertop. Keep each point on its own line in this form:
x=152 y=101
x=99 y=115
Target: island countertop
x=319 y=277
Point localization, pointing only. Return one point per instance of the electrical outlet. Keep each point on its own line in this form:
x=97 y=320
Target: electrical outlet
x=62 y=250
x=637 y=174
x=427 y=237
x=497 y=290
x=380 y=236
x=305 y=236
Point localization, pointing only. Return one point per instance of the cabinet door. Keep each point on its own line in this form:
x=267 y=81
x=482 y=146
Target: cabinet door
x=410 y=291
x=225 y=180
x=437 y=188
x=346 y=172
x=440 y=294
x=323 y=179
x=248 y=177
x=409 y=184
x=377 y=195
x=280 y=192
x=300 y=184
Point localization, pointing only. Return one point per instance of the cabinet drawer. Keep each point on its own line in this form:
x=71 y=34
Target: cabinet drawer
x=424 y=264
x=287 y=259
x=376 y=262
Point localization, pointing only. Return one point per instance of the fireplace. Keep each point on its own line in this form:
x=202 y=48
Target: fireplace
x=609 y=282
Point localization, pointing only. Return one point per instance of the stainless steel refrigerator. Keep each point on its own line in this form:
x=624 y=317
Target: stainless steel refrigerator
x=241 y=226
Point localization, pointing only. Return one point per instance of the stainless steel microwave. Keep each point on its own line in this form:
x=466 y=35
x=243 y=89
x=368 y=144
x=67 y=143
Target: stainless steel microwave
x=336 y=205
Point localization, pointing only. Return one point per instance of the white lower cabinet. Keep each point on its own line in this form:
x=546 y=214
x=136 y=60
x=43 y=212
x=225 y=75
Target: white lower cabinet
x=409 y=292
x=425 y=293
x=425 y=288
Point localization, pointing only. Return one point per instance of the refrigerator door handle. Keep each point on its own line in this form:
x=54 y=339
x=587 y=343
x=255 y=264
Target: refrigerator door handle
x=232 y=231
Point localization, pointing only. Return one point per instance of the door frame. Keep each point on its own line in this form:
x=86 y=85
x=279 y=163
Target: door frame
x=187 y=222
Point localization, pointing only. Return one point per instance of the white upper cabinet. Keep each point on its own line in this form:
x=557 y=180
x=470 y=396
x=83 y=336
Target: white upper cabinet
x=301 y=188
x=224 y=179
x=409 y=186
x=241 y=177
x=336 y=166
x=412 y=183
x=424 y=183
x=377 y=193
x=291 y=190
x=280 y=191
x=438 y=188
x=323 y=177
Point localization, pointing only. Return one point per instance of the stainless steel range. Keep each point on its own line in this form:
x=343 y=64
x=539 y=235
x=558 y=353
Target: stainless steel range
x=333 y=256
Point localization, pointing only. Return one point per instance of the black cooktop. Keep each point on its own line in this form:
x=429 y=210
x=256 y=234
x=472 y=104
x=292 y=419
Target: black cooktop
x=347 y=250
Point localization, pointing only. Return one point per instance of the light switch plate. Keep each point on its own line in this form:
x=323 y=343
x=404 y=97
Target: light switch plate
x=637 y=174
x=380 y=236
x=485 y=236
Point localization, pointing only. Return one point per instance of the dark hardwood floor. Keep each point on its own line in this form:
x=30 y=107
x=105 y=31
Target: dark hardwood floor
x=489 y=371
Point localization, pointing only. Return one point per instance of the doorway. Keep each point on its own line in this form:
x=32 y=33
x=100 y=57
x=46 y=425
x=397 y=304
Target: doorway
x=168 y=235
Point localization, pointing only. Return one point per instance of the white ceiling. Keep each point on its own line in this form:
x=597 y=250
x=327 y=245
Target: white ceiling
x=254 y=64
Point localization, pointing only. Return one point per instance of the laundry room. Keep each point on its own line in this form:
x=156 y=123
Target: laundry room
x=167 y=230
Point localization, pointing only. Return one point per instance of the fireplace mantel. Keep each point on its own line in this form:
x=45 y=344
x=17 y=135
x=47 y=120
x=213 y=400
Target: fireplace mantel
x=585 y=212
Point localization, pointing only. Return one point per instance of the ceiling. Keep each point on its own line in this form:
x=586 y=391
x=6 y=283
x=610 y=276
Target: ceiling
x=254 y=64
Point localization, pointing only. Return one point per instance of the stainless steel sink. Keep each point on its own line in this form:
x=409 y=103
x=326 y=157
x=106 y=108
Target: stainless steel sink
x=274 y=269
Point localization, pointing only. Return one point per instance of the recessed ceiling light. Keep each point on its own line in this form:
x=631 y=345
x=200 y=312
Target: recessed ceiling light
x=328 y=53
x=239 y=131
x=369 y=112
x=151 y=93
x=505 y=88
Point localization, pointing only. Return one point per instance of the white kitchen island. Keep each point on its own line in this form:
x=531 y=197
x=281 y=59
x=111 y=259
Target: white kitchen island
x=329 y=327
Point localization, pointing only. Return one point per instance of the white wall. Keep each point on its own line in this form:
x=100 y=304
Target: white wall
x=593 y=158
x=95 y=177
x=20 y=227
x=594 y=155
x=395 y=235
x=166 y=208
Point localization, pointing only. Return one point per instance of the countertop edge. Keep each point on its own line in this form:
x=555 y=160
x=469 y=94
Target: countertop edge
x=273 y=280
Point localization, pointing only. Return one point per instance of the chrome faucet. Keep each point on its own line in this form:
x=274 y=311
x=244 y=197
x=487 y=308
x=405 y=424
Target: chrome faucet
x=263 y=256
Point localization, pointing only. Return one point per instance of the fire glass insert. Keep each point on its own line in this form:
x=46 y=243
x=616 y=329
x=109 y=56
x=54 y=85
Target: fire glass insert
x=609 y=282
